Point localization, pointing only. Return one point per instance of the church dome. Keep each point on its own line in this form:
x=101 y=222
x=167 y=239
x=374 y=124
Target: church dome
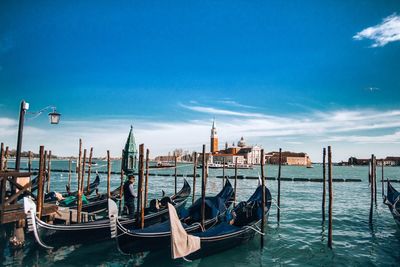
x=241 y=143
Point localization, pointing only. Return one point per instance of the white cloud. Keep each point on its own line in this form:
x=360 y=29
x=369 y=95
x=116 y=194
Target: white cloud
x=234 y=104
x=307 y=132
x=218 y=111
x=385 y=32
x=366 y=139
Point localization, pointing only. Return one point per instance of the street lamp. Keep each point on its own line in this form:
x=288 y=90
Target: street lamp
x=54 y=118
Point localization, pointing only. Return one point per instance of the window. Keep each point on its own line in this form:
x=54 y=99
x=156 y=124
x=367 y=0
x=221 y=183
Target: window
x=130 y=162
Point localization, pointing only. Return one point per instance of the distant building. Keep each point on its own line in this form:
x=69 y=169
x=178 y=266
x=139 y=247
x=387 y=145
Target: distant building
x=391 y=161
x=288 y=158
x=242 y=152
x=388 y=161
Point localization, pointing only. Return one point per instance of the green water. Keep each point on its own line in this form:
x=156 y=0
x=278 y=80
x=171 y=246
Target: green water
x=299 y=240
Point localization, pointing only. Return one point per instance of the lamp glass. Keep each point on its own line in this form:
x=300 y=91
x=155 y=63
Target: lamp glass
x=54 y=117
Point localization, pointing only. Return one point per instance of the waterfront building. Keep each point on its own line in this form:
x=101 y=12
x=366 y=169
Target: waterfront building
x=288 y=158
x=242 y=152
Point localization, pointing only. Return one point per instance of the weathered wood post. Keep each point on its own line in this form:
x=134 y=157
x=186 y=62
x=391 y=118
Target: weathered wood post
x=382 y=178
x=279 y=186
x=29 y=161
x=83 y=170
x=263 y=220
x=146 y=180
x=48 y=172
x=330 y=196
x=140 y=187
x=89 y=170
x=176 y=173
x=121 y=185
x=223 y=172
x=40 y=195
x=69 y=173
x=78 y=163
x=371 y=210
x=80 y=186
x=194 y=175
x=235 y=184
x=78 y=170
x=375 y=183
x=6 y=159
x=45 y=163
x=1 y=156
x=108 y=174
x=323 y=183
x=203 y=187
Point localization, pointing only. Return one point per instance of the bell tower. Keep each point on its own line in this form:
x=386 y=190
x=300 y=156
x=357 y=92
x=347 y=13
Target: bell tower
x=214 y=138
x=129 y=158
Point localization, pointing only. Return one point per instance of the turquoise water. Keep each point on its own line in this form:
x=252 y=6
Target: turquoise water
x=299 y=239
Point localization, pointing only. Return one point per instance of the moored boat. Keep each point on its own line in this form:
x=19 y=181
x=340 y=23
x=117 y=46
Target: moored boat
x=158 y=236
x=246 y=222
x=53 y=235
x=392 y=200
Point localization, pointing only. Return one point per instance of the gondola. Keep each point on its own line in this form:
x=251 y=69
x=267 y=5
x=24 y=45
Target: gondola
x=227 y=235
x=50 y=236
x=392 y=200
x=92 y=188
x=158 y=236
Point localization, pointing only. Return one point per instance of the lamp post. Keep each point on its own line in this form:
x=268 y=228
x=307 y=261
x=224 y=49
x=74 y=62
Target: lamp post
x=54 y=118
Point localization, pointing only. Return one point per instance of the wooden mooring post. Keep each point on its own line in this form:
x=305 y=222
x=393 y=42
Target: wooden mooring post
x=48 y=172
x=121 y=185
x=235 y=184
x=323 y=183
x=1 y=156
x=89 y=170
x=139 y=208
x=176 y=174
x=146 y=180
x=279 y=186
x=40 y=195
x=5 y=167
x=263 y=217
x=223 y=172
x=69 y=174
x=203 y=187
x=78 y=169
x=108 y=174
x=372 y=184
x=82 y=182
x=330 y=197
x=375 y=183
x=194 y=175
x=29 y=161
x=382 y=178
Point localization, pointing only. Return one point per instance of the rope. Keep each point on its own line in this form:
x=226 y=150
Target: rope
x=276 y=204
x=201 y=226
x=252 y=228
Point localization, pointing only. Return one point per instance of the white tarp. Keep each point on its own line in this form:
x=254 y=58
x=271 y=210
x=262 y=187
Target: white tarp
x=182 y=244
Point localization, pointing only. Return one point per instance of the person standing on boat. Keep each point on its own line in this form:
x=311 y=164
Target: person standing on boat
x=129 y=196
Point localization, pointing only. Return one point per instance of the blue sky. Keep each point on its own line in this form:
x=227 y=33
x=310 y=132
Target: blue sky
x=298 y=75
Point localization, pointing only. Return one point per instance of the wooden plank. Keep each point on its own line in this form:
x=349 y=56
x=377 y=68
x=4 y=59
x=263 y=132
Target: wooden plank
x=20 y=192
x=14 y=174
x=19 y=214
